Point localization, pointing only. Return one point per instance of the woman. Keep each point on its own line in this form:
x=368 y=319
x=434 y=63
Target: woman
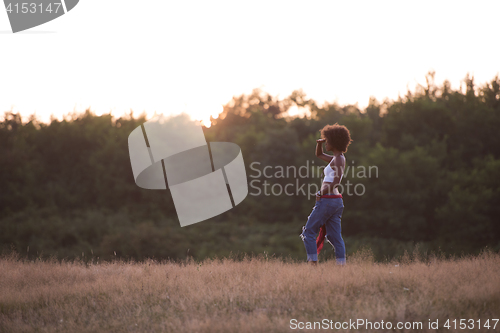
x=329 y=205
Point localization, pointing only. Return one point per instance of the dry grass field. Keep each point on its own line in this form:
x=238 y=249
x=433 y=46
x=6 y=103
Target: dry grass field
x=253 y=295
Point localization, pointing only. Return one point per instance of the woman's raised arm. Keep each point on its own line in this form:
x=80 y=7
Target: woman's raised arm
x=319 y=151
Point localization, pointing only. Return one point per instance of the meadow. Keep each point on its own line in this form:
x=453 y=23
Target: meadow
x=256 y=294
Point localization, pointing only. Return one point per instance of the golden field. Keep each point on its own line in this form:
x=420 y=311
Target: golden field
x=256 y=294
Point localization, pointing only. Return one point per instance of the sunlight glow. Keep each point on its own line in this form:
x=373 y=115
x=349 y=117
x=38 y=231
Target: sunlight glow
x=193 y=58
x=203 y=110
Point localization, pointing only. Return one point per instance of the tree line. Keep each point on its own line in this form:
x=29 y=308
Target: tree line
x=67 y=187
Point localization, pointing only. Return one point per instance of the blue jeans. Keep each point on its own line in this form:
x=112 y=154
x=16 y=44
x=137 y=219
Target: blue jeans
x=326 y=211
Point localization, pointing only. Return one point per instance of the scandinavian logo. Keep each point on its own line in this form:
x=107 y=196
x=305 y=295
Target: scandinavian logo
x=26 y=14
x=205 y=179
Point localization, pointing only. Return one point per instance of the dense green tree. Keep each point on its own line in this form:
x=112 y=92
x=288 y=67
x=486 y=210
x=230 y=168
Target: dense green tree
x=431 y=162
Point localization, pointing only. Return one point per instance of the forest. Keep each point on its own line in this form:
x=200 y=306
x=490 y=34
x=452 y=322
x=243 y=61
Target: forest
x=424 y=175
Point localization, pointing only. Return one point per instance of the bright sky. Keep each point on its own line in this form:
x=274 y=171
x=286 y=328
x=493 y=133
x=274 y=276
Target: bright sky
x=193 y=56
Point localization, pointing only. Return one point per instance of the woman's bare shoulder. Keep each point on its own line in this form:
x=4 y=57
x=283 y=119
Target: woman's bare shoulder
x=338 y=160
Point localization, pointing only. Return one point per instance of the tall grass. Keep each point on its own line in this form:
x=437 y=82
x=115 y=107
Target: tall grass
x=253 y=295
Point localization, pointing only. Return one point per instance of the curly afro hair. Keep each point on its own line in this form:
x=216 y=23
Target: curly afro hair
x=338 y=136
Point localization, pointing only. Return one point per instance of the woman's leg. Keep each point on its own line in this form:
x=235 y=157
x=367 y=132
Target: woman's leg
x=334 y=233
x=317 y=218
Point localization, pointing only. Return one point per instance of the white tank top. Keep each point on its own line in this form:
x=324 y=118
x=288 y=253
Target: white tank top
x=329 y=174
